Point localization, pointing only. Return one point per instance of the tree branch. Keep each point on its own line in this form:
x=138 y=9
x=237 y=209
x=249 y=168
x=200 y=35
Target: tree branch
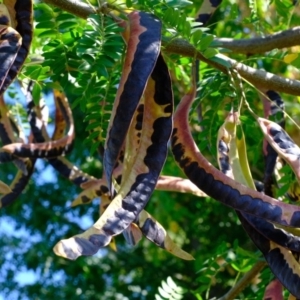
x=244 y=281
x=77 y=8
x=259 y=78
x=283 y=39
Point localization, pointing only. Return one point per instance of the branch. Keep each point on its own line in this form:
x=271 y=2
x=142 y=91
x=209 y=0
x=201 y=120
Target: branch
x=77 y=8
x=244 y=281
x=278 y=40
x=283 y=39
x=259 y=78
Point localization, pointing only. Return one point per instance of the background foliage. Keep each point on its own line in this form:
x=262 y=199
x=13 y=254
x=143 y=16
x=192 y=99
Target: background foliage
x=85 y=57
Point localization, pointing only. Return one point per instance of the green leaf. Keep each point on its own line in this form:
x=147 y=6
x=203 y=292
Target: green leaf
x=205 y=41
x=221 y=61
x=128 y=3
x=210 y=52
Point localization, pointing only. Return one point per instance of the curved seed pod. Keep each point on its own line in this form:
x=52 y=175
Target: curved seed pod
x=135 y=192
x=18 y=185
x=8 y=129
x=282 y=262
x=17 y=130
x=232 y=151
x=4 y=188
x=36 y=118
x=281 y=143
x=70 y=171
x=132 y=234
x=223 y=157
x=60 y=120
x=94 y=188
x=177 y=184
x=97 y=189
x=216 y=184
x=242 y=157
x=142 y=52
x=274 y=291
x=7 y=157
x=206 y=10
x=105 y=201
x=203 y=15
x=26 y=166
x=279 y=236
x=273 y=109
x=155 y=232
x=133 y=139
x=229 y=192
x=145 y=224
x=20 y=12
x=9 y=46
x=48 y=149
x=243 y=175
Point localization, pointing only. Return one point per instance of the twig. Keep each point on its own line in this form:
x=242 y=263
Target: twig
x=244 y=281
x=77 y=8
x=259 y=78
x=278 y=40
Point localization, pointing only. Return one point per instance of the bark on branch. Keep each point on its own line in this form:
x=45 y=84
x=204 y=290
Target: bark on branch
x=283 y=39
x=259 y=78
x=244 y=281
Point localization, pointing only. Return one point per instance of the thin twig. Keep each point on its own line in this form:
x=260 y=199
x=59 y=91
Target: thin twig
x=77 y=8
x=244 y=281
x=278 y=40
x=259 y=78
